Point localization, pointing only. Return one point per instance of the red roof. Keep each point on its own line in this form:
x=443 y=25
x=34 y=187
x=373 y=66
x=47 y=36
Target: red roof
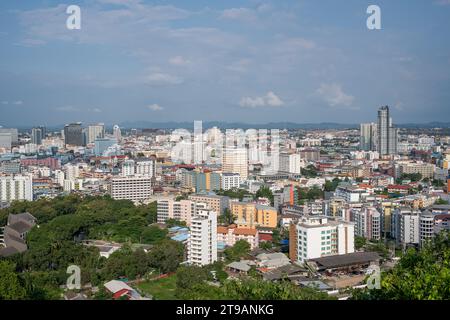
x=265 y=237
x=398 y=186
x=121 y=293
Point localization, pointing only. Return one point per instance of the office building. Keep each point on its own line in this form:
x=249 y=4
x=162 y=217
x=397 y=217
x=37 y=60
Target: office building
x=235 y=160
x=315 y=237
x=74 y=134
x=202 y=241
x=387 y=133
x=37 y=135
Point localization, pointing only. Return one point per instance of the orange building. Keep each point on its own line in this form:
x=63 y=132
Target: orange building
x=251 y=215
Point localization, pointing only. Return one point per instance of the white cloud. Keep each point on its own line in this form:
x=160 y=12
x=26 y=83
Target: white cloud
x=17 y=103
x=241 y=14
x=95 y=110
x=159 y=78
x=179 y=61
x=270 y=100
x=67 y=109
x=334 y=95
x=155 y=107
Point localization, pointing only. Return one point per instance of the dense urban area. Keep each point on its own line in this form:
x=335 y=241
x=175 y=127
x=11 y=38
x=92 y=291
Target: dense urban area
x=288 y=214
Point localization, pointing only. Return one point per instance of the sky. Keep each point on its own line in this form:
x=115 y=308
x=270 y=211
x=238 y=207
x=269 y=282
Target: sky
x=303 y=61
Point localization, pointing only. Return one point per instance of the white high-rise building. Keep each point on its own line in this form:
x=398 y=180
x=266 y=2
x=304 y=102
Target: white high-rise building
x=96 y=131
x=183 y=210
x=291 y=163
x=315 y=237
x=128 y=167
x=145 y=167
x=16 y=187
x=367 y=223
x=117 y=133
x=72 y=171
x=134 y=188
x=235 y=160
x=405 y=226
x=230 y=181
x=202 y=242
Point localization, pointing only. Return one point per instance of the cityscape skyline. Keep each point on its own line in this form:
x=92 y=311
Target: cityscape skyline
x=261 y=61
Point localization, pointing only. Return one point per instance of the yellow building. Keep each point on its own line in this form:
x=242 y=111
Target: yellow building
x=251 y=215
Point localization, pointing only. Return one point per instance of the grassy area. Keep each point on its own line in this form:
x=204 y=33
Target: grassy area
x=162 y=289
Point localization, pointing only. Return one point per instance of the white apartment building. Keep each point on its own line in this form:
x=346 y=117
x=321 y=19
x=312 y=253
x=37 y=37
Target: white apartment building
x=230 y=181
x=351 y=193
x=235 y=160
x=426 y=227
x=202 y=242
x=183 y=210
x=145 y=167
x=228 y=236
x=141 y=167
x=96 y=131
x=315 y=237
x=16 y=187
x=72 y=171
x=405 y=226
x=367 y=223
x=291 y=163
x=137 y=188
x=128 y=169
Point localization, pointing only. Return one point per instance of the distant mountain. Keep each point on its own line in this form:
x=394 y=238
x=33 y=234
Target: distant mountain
x=235 y=125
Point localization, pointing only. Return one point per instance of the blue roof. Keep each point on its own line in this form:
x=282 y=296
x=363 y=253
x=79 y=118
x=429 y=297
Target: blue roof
x=180 y=237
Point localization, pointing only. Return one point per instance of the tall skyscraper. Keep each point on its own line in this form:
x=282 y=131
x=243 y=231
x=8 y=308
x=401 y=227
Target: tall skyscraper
x=368 y=137
x=235 y=160
x=96 y=131
x=73 y=134
x=37 y=134
x=387 y=133
x=117 y=133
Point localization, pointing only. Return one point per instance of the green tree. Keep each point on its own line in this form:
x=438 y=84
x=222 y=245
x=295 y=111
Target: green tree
x=240 y=249
x=189 y=276
x=265 y=192
x=419 y=275
x=359 y=242
x=10 y=285
x=166 y=256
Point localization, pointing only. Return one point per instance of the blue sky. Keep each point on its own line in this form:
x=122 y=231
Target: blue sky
x=250 y=61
